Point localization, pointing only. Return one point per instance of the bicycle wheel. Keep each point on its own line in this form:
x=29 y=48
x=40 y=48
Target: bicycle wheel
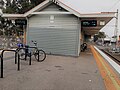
x=21 y=52
x=42 y=55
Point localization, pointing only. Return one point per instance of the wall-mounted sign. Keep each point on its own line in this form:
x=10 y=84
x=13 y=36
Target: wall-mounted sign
x=52 y=17
x=89 y=23
x=20 y=22
x=102 y=22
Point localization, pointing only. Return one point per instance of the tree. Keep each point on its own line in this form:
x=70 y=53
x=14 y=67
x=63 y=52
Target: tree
x=15 y=7
x=1 y=4
x=101 y=35
x=20 y=6
x=23 y=6
x=8 y=3
x=36 y=2
x=10 y=7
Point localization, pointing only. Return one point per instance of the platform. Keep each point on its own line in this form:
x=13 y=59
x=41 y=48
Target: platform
x=55 y=73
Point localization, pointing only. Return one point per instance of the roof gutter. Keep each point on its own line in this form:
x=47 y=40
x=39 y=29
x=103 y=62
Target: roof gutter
x=98 y=15
x=13 y=16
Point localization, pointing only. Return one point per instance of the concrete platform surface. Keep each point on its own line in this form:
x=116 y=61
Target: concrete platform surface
x=55 y=73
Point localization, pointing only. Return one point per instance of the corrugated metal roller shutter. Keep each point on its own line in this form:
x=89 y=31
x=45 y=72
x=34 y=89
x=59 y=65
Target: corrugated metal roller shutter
x=60 y=37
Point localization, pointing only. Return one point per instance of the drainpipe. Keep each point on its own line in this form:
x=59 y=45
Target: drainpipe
x=25 y=30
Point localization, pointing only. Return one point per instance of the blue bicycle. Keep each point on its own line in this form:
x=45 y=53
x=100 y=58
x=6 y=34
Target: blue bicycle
x=27 y=51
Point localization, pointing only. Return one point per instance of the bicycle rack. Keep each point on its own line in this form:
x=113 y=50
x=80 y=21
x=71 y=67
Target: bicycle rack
x=17 y=56
x=38 y=52
x=25 y=54
x=2 y=55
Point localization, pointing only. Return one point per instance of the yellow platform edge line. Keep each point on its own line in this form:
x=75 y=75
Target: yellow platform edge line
x=110 y=80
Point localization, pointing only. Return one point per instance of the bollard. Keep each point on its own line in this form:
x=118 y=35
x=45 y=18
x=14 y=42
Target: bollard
x=38 y=55
x=15 y=57
x=25 y=56
x=2 y=66
x=30 y=59
x=18 y=62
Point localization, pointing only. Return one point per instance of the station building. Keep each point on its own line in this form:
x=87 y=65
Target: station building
x=60 y=29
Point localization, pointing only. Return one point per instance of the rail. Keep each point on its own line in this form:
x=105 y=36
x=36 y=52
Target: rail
x=115 y=65
x=112 y=56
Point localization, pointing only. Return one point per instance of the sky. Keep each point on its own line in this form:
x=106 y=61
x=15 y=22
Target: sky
x=95 y=6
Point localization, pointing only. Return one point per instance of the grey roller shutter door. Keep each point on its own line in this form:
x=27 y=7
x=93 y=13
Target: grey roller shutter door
x=60 y=37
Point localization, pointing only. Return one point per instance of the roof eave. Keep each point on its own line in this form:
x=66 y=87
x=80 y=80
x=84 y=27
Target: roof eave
x=42 y=5
x=98 y=15
x=47 y=2
x=13 y=16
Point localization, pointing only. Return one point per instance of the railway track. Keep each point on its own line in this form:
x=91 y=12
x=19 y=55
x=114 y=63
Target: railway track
x=116 y=58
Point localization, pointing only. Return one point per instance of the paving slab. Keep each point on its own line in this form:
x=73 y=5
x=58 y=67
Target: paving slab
x=55 y=73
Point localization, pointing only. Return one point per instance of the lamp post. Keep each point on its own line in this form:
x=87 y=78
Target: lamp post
x=116 y=29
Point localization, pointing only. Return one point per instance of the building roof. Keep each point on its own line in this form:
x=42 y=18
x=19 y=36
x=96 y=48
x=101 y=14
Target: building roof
x=63 y=5
x=106 y=16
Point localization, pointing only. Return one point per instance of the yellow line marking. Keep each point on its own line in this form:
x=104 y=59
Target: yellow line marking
x=111 y=80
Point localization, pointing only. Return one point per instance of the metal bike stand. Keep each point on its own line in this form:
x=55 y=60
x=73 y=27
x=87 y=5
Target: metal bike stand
x=30 y=55
x=38 y=56
x=2 y=55
x=30 y=59
x=38 y=52
x=25 y=54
